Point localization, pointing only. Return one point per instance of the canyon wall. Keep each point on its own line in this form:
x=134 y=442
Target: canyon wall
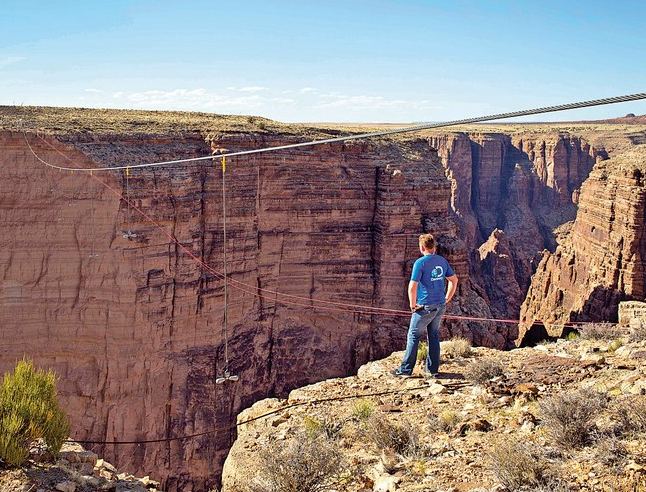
x=510 y=194
x=602 y=261
x=134 y=326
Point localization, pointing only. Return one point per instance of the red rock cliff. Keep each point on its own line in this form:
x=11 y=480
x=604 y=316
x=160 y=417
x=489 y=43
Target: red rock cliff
x=602 y=261
x=135 y=327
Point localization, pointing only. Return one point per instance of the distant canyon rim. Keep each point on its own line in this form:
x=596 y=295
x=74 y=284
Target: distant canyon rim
x=542 y=223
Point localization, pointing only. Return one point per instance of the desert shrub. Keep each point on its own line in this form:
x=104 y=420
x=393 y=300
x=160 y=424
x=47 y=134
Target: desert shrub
x=362 y=410
x=445 y=421
x=630 y=413
x=301 y=465
x=480 y=371
x=610 y=451
x=573 y=335
x=599 y=331
x=569 y=416
x=519 y=466
x=637 y=330
x=29 y=411
x=422 y=352
x=457 y=347
x=403 y=438
x=328 y=426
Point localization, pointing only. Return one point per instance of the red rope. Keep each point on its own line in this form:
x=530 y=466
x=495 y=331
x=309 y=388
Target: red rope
x=255 y=291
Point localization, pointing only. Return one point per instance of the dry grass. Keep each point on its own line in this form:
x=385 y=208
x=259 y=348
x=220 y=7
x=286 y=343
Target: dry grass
x=481 y=371
x=456 y=348
x=300 y=465
x=594 y=331
x=630 y=414
x=422 y=352
x=446 y=420
x=518 y=465
x=327 y=426
x=402 y=437
x=362 y=410
x=637 y=331
x=569 y=416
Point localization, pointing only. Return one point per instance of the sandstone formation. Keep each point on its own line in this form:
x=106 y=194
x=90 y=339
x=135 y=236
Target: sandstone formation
x=602 y=261
x=134 y=326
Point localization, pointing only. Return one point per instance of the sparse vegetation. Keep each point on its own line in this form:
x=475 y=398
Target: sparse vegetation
x=630 y=413
x=617 y=343
x=29 y=411
x=327 y=426
x=446 y=420
x=362 y=410
x=569 y=417
x=482 y=370
x=300 y=465
x=457 y=347
x=519 y=466
x=610 y=451
x=599 y=331
x=402 y=438
x=422 y=352
x=637 y=331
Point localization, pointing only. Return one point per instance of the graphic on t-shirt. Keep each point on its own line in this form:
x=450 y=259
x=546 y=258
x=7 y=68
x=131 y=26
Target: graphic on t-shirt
x=437 y=273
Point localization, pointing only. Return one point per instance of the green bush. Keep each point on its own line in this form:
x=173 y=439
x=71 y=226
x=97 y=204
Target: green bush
x=362 y=410
x=422 y=352
x=29 y=411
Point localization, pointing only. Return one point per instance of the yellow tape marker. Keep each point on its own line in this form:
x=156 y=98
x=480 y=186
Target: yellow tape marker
x=224 y=166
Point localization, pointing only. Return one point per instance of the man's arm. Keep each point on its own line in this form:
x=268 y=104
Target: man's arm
x=453 y=285
x=412 y=294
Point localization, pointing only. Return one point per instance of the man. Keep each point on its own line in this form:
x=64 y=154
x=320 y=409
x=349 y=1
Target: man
x=427 y=297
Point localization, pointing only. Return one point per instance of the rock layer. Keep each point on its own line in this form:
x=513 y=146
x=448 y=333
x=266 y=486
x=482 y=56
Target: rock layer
x=134 y=327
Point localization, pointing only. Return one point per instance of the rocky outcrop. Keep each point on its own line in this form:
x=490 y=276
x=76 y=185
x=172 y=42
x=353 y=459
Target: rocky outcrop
x=455 y=427
x=602 y=260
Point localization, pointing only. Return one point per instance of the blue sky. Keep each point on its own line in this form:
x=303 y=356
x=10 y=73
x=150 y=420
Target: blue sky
x=325 y=60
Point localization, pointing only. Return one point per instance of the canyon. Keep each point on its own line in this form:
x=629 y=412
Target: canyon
x=135 y=326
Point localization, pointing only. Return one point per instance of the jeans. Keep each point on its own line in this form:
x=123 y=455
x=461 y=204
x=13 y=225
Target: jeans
x=428 y=317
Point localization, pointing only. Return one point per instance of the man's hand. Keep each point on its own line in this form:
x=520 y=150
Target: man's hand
x=416 y=307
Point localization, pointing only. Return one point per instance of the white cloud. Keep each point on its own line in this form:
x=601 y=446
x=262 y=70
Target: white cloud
x=117 y=95
x=305 y=90
x=94 y=90
x=10 y=60
x=253 y=89
x=194 y=99
x=283 y=100
x=361 y=102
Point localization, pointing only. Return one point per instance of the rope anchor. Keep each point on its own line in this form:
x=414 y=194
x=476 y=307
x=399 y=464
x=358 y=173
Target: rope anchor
x=226 y=377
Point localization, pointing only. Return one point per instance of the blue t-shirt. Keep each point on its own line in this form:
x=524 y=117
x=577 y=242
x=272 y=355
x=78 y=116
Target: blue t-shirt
x=430 y=271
